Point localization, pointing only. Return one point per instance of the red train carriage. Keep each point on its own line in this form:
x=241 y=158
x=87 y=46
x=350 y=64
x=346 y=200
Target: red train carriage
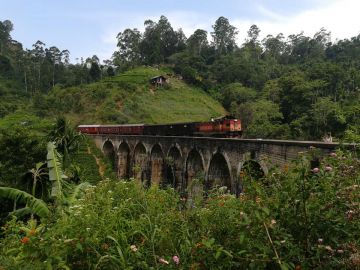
x=136 y=129
x=89 y=129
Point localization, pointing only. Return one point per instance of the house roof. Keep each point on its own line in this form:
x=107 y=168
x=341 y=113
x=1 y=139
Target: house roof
x=160 y=76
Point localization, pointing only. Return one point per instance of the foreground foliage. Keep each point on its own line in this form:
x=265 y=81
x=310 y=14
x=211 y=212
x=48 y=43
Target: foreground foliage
x=295 y=217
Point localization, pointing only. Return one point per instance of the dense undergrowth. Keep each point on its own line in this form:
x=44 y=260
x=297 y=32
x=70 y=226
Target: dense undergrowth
x=294 y=218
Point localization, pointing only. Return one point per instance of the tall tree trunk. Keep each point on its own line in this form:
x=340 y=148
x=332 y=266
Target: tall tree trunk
x=26 y=86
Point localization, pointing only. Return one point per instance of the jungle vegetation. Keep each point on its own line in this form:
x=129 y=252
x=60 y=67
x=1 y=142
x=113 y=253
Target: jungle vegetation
x=63 y=208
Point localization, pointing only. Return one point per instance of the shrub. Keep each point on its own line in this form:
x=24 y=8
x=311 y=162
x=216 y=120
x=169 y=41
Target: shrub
x=293 y=218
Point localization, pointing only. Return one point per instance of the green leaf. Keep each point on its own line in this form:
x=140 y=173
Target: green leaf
x=56 y=174
x=38 y=206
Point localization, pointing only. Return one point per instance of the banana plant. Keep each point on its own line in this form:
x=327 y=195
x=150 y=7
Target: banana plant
x=36 y=206
x=56 y=175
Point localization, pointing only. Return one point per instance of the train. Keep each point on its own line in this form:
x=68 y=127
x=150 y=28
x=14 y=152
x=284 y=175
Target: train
x=221 y=127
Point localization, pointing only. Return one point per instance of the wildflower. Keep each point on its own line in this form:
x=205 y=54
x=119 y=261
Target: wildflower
x=315 y=170
x=340 y=251
x=242 y=213
x=355 y=258
x=221 y=203
x=105 y=246
x=258 y=200
x=88 y=229
x=282 y=241
x=333 y=154
x=133 y=248
x=328 y=169
x=32 y=232
x=320 y=240
x=176 y=259
x=328 y=248
x=25 y=240
x=163 y=261
x=286 y=168
x=199 y=245
x=272 y=222
x=110 y=191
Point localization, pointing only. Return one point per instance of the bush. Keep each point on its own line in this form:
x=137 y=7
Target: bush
x=293 y=218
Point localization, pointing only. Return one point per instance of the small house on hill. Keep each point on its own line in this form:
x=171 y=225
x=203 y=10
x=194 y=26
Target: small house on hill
x=159 y=80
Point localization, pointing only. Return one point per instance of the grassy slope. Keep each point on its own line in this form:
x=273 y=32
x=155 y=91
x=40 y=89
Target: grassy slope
x=129 y=98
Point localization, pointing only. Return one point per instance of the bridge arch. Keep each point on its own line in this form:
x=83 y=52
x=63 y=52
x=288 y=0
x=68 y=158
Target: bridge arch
x=174 y=168
x=219 y=172
x=140 y=163
x=124 y=160
x=253 y=168
x=109 y=151
x=157 y=164
x=194 y=169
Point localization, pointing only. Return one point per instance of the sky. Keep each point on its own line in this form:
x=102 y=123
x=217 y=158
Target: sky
x=89 y=27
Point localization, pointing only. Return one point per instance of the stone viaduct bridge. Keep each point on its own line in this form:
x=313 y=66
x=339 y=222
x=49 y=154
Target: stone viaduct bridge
x=176 y=161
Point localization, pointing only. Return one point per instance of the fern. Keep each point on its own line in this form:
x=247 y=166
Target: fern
x=37 y=206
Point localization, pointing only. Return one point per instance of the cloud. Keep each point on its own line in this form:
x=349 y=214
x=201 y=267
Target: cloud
x=337 y=16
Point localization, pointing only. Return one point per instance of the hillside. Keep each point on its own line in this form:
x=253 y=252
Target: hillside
x=130 y=98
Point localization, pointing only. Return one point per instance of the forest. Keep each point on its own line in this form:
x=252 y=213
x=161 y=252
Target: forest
x=62 y=206
x=294 y=87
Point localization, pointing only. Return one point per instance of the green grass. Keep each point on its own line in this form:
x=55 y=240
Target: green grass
x=26 y=119
x=129 y=98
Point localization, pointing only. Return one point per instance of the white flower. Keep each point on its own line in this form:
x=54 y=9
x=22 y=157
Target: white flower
x=88 y=229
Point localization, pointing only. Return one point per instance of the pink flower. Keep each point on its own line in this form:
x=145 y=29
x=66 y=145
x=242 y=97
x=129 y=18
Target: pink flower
x=163 y=261
x=340 y=251
x=328 y=169
x=320 y=240
x=176 y=259
x=315 y=170
x=333 y=154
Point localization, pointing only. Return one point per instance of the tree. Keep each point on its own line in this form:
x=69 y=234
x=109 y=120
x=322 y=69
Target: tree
x=236 y=93
x=5 y=28
x=37 y=56
x=223 y=36
x=327 y=118
x=95 y=71
x=274 y=46
x=129 y=46
x=55 y=57
x=20 y=150
x=197 y=42
x=66 y=139
x=261 y=119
